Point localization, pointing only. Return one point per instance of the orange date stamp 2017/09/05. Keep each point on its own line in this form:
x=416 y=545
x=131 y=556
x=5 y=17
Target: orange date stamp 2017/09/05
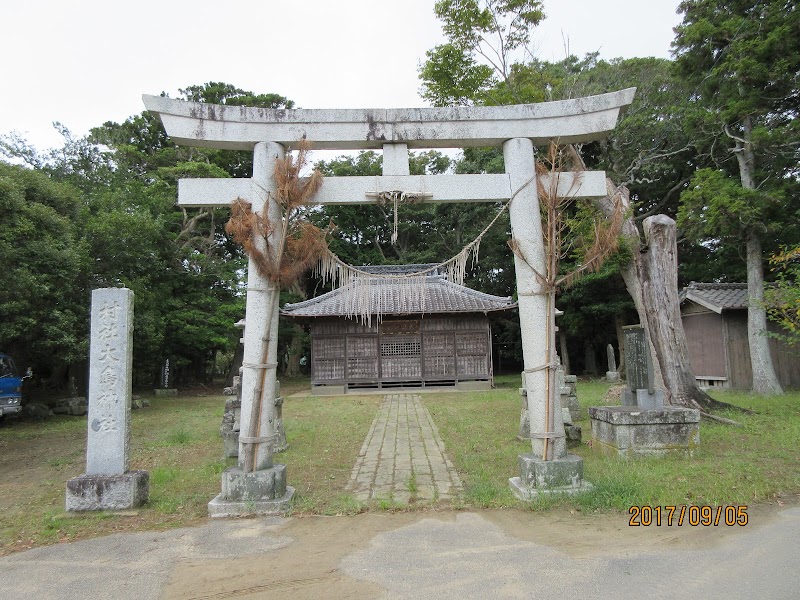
x=704 y=516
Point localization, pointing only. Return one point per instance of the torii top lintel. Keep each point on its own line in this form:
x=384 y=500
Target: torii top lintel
x=240 y=128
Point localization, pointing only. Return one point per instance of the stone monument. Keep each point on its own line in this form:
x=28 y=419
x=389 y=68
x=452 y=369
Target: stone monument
x=165 y=390
x=643 y=425
x=107 y=483
x=640 y=390
x=612 y=375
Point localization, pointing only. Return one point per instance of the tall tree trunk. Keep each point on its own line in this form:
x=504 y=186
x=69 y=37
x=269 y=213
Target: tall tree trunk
x=658 y=272
x=765 y=381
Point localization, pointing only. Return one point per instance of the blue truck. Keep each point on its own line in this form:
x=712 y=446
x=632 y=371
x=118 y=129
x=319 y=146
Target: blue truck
x=10 y=386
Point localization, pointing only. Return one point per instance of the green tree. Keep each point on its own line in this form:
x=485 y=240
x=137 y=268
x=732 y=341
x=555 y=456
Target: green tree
x=486 y=39
x=122 y=228
x=43 y=317
x=742 y=57
x=783 y=297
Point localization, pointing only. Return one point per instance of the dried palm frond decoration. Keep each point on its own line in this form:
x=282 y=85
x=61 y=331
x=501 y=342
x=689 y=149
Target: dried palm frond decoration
x=302 y=244
x=591 y=250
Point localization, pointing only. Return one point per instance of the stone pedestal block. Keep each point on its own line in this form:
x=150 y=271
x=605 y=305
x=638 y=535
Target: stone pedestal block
x=263 y=492
x=612 y=376
x=165 y=392
x=108 y=492
x=643 y=399
x=230 y=443
x=631 y=431
x=559 y=476
x=573 y=433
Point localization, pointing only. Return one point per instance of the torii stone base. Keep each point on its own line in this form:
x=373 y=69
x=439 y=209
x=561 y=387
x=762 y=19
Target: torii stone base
x=547 y=477
x=108 y=492
x=263 y=492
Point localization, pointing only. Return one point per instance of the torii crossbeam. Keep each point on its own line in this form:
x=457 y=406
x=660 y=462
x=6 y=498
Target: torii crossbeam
x=260 y=486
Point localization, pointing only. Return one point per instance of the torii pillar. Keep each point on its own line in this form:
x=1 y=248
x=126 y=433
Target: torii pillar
x=260 y=487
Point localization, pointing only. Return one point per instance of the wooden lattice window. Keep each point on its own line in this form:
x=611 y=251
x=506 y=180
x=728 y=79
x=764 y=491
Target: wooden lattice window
x=411 y=348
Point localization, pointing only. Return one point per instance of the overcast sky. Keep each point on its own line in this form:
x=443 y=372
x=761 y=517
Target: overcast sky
x=89 y=61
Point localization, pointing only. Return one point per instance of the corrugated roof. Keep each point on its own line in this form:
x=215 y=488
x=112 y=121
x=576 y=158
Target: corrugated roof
x=437 y=296
x=717 y=296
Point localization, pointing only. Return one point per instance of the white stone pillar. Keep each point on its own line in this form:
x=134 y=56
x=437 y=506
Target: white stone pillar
x=261 y=315
x=526 y=229
x=107 y=483
x=110 y=370
x=256 y=486
x=395 y=159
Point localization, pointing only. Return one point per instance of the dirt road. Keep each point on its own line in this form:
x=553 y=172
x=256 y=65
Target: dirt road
x=481 y=554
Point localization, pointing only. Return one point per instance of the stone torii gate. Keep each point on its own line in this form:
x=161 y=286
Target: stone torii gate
x=260 y=487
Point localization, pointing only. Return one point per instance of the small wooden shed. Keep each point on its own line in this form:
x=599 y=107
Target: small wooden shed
x=714 y=318
x=438 y=337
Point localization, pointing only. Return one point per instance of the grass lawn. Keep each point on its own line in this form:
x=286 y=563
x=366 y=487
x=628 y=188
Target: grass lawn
x=177 y=441
x=756 y=462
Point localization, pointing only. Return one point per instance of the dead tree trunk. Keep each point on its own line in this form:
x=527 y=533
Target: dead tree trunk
x=657 y=267
x=628 y=271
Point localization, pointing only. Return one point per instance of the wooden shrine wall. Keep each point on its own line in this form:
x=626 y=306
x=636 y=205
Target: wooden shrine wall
x=411 y=351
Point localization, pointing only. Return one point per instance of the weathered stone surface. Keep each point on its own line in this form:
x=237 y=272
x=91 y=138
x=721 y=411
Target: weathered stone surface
x=230 y=443
x=630 y=431
x=221 y=508
x=219 y=126
x=108 y=492
x=266 y=484
x=574 y=435
x=638 y=366
x=537 y=476
x=529 y=258
x=280 y=444
x=568 y=388
x=77 y=406
x=107 y=483
x=612 y=360
x=262 y=492
x=403 y=443
x=110 y=369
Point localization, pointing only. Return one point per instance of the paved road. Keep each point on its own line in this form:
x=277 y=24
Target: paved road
x=403 y=456
x=488 y=554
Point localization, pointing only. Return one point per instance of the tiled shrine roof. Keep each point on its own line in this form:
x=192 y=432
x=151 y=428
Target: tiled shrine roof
x=437 y=295
x=717 y=296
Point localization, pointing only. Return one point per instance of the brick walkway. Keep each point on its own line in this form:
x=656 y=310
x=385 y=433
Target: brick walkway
x=403 y=456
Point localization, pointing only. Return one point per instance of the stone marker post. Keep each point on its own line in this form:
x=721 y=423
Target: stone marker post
x=107 y=483
x=643 y=426
x=612 y=374
x=641 y=390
